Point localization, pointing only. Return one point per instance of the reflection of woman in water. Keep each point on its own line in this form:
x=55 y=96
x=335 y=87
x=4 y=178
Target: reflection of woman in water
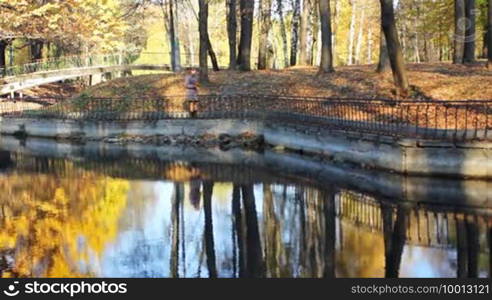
x=5 y=160
x=195 y=193
x=191 y=85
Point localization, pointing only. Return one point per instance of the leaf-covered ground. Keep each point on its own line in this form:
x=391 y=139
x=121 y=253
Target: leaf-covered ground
x=429 y=81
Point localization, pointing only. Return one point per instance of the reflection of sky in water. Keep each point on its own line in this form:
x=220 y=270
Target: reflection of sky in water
x=143 y=250
x=136 y=230
x=427 y=262
x=143 y=246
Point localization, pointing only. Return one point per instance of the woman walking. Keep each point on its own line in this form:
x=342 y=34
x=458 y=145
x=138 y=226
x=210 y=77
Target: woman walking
x=191 y=85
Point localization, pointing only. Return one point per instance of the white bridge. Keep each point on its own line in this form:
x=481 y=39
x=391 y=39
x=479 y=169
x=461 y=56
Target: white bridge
x=18 y=78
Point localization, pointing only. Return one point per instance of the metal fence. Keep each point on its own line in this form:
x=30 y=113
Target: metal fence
x=431 y=120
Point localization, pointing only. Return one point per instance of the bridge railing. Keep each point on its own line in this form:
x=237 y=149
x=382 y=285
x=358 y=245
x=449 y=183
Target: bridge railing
x=428 y=120
x=68 y=62
x=106 y=60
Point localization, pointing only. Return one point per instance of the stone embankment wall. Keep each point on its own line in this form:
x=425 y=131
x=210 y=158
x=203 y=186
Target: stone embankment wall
x=413 y=157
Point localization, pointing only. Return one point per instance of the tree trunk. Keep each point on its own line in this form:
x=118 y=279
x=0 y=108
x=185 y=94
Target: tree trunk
x=334 y=46
x=175 y=233
x=326 y=64
x=296 y=5
x=283 y=32
x=394 y=49
x=315 y=46
x=417 y=42
x=231 y=32
x=359 y=37
x=187 y=50
x=238 y=238
x=254 y=255
x=470 y=14
x=304 y=58
x=211 y=54
x=203 y=29
x=329 y=211
x=461 y=249
x=485 y=37
x=489 y=37
x=369 y=46
x=209 y=227
x=175 y=55
x=489 y=233
x=473 y=243
x=350 y=60
x=266 y=23
x=384 y=62
x=244 y=57
x=3 y=60
x=36 y=50
x=397 y=242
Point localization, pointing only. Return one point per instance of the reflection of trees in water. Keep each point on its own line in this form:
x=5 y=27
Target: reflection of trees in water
x=177 y=200
x=254 y=255
x=209 y=229
x=298 y=235
x=275 y=252
x=194 y=195
x=395 y=234
x=329 y=210
x=238 y=233
x=273 y=230
x=51 y=225
x=5 y=160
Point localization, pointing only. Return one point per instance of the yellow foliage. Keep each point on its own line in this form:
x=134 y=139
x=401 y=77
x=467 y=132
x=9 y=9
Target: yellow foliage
x=61 y=223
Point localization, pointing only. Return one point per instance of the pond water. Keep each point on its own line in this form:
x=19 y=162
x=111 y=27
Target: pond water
x=126 y=218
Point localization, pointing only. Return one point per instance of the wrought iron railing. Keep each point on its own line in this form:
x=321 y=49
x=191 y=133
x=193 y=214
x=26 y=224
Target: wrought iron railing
x=431 y=120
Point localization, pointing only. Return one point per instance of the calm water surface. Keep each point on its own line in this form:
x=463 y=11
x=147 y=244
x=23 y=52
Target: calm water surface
x=64 y=218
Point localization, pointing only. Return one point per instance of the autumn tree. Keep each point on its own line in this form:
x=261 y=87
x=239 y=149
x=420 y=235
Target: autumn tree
x=326 y=64
x=72 y=25
x=266 y=23
x=394 y=48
